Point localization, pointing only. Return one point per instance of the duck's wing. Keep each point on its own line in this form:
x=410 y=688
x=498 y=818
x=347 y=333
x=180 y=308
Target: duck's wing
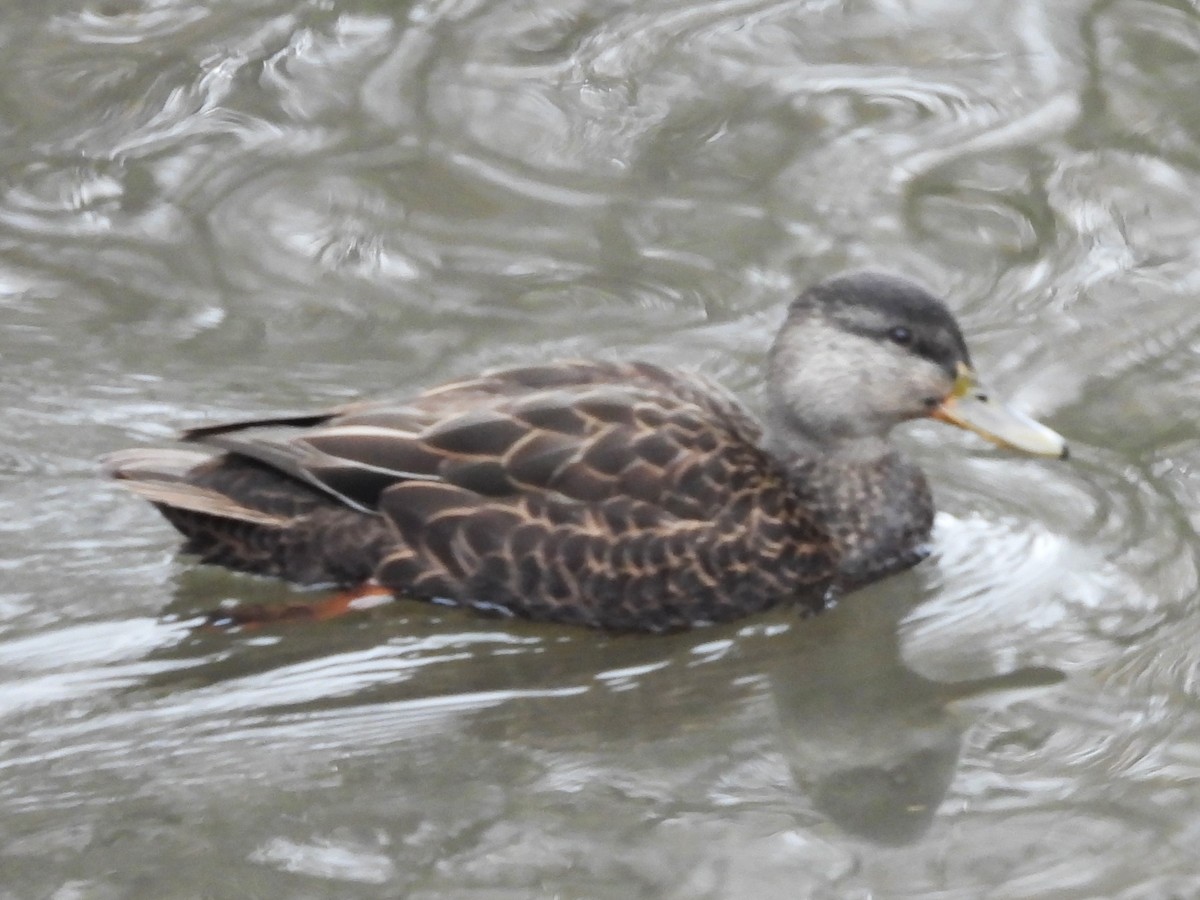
x=452 y=398
x=584 y=431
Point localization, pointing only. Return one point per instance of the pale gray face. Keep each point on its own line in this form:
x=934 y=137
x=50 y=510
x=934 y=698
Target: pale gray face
x=859 y=354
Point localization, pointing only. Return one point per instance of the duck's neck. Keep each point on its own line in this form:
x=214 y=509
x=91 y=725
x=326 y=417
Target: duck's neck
x=874 y=502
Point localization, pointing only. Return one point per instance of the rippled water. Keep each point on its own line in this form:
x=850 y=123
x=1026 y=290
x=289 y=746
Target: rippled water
x=215 y=208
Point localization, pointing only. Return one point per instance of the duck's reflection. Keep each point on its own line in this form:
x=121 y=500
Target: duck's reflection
x=874 y=743
x=870 y=745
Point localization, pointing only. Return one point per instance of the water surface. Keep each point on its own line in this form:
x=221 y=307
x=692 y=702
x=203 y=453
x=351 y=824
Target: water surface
x=214 y=209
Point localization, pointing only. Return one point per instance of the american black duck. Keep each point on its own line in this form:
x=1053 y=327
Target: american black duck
x=617 y=495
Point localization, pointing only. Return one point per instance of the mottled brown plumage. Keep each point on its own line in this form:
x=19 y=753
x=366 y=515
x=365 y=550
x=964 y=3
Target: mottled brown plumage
x=619 y=495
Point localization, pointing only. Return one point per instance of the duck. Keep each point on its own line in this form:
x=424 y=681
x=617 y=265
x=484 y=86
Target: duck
x=623 y=496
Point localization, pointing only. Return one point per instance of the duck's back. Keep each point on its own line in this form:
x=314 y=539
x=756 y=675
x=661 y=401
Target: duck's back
x=619 y=495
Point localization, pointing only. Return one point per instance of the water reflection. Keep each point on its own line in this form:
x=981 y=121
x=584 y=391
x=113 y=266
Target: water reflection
x=833 y=725
x=877 y=746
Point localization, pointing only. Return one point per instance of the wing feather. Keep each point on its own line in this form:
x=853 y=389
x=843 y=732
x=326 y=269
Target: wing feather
x=585 y=431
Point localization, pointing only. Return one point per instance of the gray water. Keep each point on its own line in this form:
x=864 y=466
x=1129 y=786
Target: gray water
x=215 y=209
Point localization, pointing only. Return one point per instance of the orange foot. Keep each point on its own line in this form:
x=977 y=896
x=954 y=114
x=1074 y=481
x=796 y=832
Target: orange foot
x=255 y=615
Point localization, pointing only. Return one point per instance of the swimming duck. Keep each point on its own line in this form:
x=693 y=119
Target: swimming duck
x=619 y=495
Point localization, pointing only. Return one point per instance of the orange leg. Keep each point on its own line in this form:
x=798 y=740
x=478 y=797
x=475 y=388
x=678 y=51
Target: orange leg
x=254 y=615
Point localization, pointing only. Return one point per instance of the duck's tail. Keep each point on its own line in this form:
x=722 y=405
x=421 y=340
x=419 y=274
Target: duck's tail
x=244 y=515
x=160 y=476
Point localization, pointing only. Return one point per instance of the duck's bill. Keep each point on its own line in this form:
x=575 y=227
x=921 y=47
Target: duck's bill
x=971 y=407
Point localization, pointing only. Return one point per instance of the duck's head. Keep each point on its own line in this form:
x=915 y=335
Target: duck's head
x=863 y=352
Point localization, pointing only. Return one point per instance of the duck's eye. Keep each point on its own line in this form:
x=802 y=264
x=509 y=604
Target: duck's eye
x=901 y=336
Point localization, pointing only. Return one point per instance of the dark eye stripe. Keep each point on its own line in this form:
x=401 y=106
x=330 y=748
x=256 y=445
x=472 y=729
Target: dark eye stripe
x=938 y=353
